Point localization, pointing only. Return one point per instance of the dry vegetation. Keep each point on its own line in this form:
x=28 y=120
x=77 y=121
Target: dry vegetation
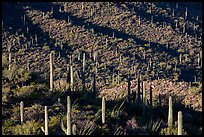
x=107 y=44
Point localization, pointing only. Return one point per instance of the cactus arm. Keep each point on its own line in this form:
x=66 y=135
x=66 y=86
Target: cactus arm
x=43 y=130
x=62 y=127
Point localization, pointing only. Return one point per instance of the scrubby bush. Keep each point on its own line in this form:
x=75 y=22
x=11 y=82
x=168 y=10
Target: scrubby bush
x=28 y=128
x=30 y=92
x=171 y=131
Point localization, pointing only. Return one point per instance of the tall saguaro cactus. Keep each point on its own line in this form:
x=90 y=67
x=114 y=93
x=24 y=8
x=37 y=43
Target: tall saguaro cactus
x=9 y=60
x=46 y=122
x=170 y=114
x=71 y=78
x=103 y=110
x=9 y=50
x=81 y=74
x=68 y=130
x=180 y=123
x=51 y=72
x=21 y=111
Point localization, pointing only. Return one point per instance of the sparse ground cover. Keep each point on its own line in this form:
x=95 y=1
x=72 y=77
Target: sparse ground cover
x=101 y=50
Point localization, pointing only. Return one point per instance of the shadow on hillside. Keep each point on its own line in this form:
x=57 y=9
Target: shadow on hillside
x=156 y=18
x=34 y=29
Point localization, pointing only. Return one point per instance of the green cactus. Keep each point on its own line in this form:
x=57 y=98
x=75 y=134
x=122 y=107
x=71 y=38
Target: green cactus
x=21 y=111
x=68 y=130
x=51 y=72
x=103 y=110
x=46 y=122
x=180 y=123
x=82 y=74
x=170 y=114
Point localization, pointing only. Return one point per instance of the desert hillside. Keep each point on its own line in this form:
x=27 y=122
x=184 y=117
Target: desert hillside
x=108 y=68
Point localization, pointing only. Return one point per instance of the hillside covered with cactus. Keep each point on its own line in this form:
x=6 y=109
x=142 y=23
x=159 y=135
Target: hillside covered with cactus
x=101 y=68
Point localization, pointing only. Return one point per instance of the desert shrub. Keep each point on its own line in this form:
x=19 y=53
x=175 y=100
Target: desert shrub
x=6 y=127
x=30 y=92
x=36 y=112
x=117 y=110
x=103 y=129
x=54 y=125
x=153 y=127
x=6 y=95
x=61 y=85
x=171 y=131
x=133 y=127
x=85 y=127
x=16 y=76
x=28 y=128
x=4 y=61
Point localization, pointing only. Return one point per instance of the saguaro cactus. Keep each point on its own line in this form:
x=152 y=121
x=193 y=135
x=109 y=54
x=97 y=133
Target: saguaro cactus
x=68 y=130
x=103 y=110
x=170 y=115
x=139 y=21
x=9 y=60
x=72 y=78
x=180 y=123
x=51 y=72
x=186 y=13
x=21 y=111
x=81 y=74
x=74 y=129
x=46 y=122
x=9 y=50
